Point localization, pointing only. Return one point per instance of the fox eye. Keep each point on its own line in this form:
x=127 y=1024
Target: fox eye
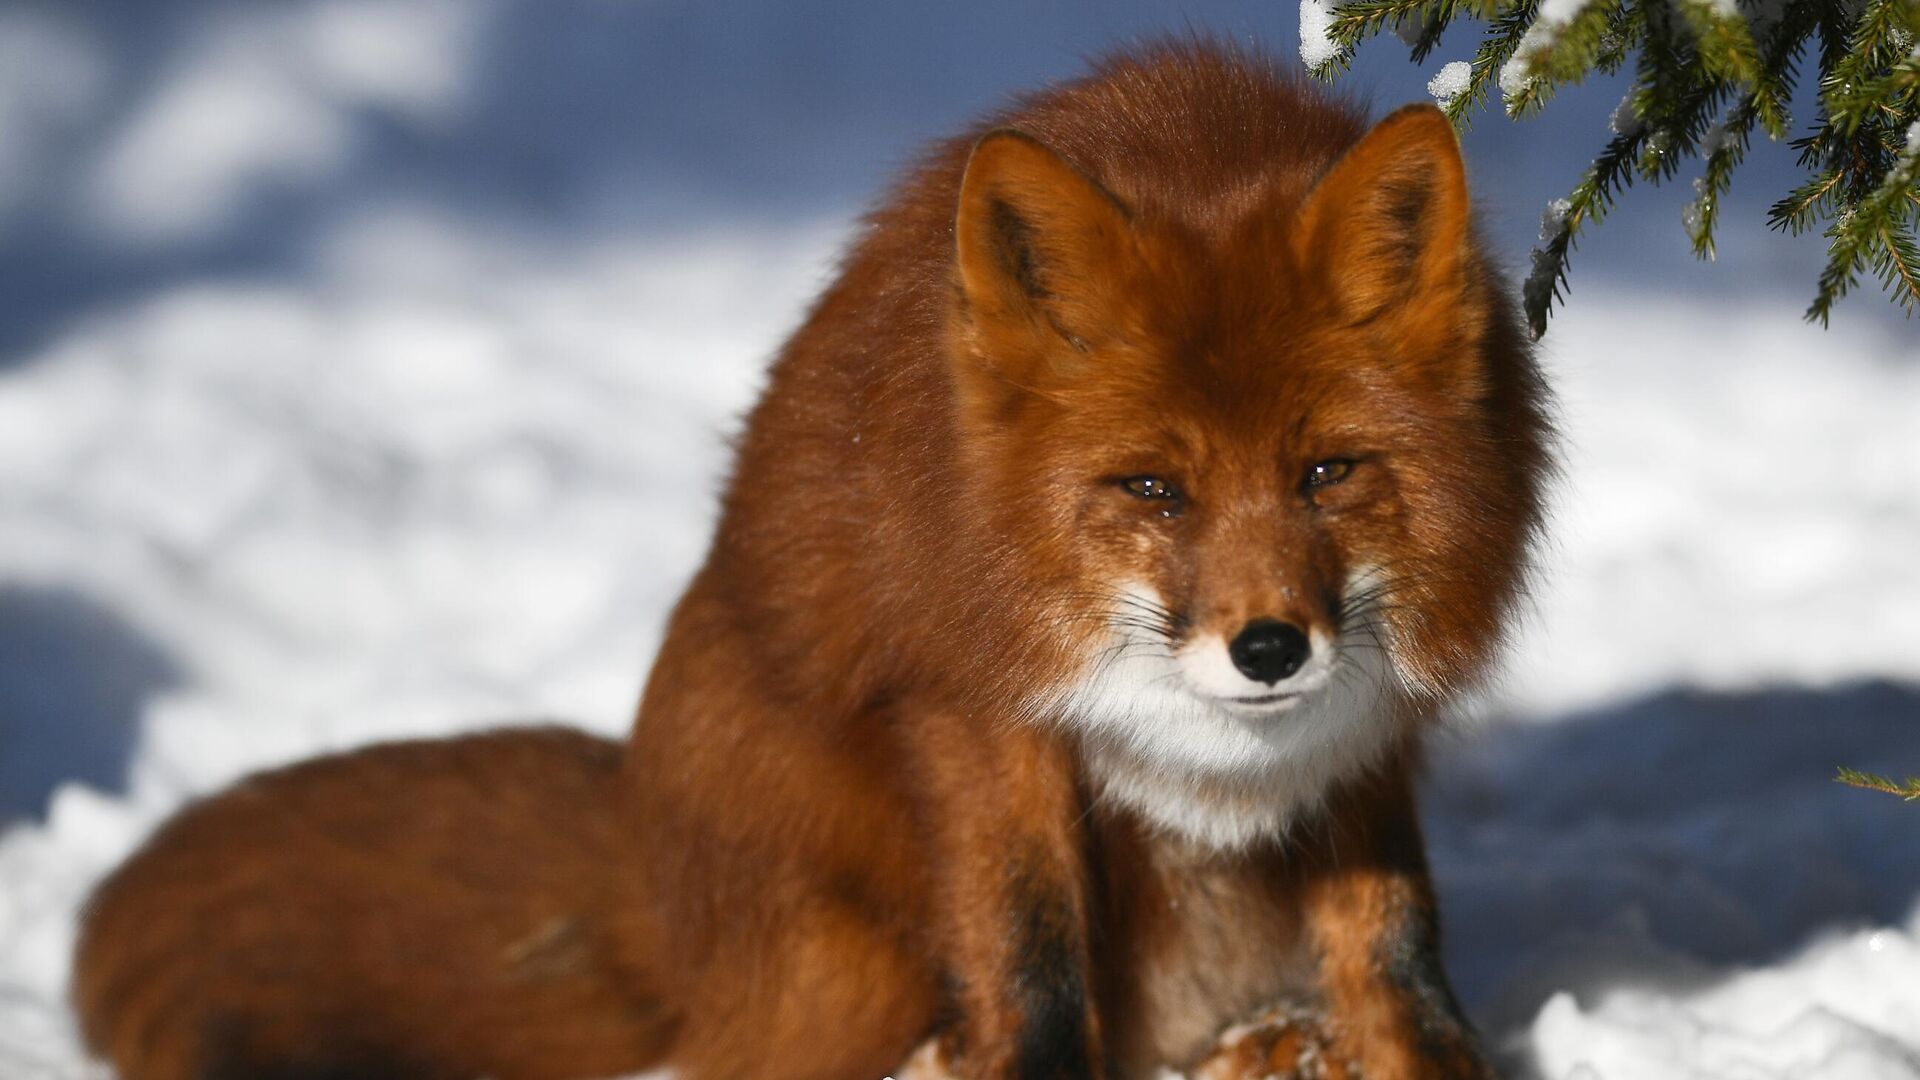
x=1322 y=474
x=1152 y=487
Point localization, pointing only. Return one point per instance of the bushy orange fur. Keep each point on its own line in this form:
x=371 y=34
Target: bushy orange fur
x=884 y=786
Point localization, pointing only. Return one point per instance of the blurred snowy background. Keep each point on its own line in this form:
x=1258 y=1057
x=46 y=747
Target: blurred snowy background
x=365 y=367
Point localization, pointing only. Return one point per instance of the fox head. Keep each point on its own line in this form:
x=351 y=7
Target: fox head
x=1280 y=457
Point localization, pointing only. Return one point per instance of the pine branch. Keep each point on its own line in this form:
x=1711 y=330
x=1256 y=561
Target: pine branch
x=1708 y=75
x=1910 y=790
x=1675 y=97
x=1900 y=270
x=1503 y=37
x=1621 y=38
x=1725 y=148
x=1867 y=238
x=1723 y=42
x=1563 y=54
x=1589 y=201
x=1353 y=22
x=1780 y=68
x=1650 y=149
x=1875 y=164
x=1899 y=89
x=1432 y=26
x=1765 y=104
x=1873 y=45
x=1805 y=204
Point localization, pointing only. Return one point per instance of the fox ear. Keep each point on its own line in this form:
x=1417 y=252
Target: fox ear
x=1385 y=231
x=1039 y=248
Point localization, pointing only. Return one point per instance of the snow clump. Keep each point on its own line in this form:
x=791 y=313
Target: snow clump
x=1317 y=47
x=1451 y=82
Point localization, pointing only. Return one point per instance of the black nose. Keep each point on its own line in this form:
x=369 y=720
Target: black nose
x=1268 y=650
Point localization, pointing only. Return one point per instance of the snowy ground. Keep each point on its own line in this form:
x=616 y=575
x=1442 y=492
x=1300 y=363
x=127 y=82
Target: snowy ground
x=440 y=467
x=283 y=519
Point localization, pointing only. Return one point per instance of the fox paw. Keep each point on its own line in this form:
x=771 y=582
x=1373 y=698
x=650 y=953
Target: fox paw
x=1283 y=1043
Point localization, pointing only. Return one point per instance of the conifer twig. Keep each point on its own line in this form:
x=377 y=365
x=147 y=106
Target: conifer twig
x=1910 y=790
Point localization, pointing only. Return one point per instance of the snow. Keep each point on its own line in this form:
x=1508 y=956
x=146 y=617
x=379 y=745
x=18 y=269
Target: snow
x=1560 y=12
x=1450 y=82
x=273 y=94
x=1626 y=116
x=1554 y=218
x=448 y=468
x=1842 y=1008
x=370 y=507
x=1317 y=46
x=1544 y=272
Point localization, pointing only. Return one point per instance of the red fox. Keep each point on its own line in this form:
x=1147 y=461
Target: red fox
x=1165 y=455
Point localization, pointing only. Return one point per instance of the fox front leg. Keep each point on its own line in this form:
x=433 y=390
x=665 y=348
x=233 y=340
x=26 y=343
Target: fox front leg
x=1370 y=913
x=1010 y=878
